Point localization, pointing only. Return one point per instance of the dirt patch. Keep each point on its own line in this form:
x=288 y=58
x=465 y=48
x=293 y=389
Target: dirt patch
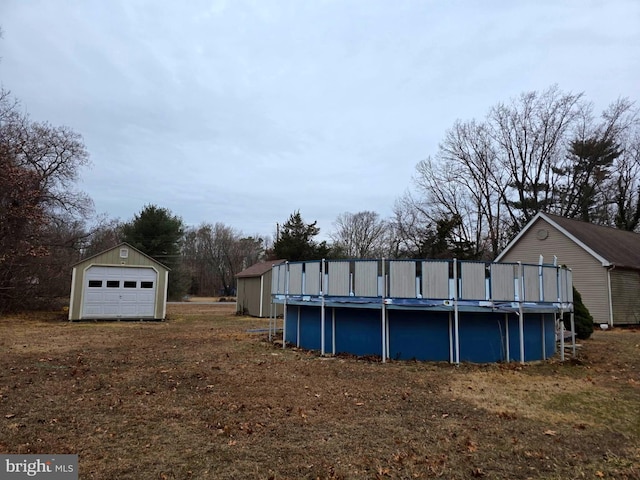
x=210 y=309
x=205 y=395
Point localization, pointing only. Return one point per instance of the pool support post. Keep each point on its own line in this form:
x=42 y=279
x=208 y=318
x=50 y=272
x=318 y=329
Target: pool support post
x=521 y=310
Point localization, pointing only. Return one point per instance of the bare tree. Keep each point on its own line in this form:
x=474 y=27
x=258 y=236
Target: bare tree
x=489 y=178
x=626 y=183
x=411 y=227
x=360 y=235
x=102 y=235
x=539 y=152
x=40 y=209
x=214 y=254
x=598 y=175
x=530 y=136
x=477 y=183
x=55 y=155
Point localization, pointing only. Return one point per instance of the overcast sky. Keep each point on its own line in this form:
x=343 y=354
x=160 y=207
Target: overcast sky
x=242 y=112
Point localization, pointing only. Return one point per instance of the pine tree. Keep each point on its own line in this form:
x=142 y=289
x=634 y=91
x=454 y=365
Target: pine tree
x=158 y=233
x=295 y=240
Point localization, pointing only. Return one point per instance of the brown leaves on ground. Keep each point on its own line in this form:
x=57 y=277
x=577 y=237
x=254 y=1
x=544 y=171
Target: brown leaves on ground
x=202 y=396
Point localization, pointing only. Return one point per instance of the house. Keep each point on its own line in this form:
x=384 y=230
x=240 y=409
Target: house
x=254 y=290
x=605 y=262
x=121 y=283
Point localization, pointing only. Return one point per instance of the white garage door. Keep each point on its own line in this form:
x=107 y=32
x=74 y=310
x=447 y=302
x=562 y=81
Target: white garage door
x=119 y=292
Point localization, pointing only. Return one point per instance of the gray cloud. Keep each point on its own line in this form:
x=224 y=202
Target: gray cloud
x=243 y=111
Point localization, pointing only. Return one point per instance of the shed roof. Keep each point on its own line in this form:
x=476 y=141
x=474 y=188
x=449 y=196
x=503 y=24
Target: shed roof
x=258 y=269
x=610 y=245
x=122 y=244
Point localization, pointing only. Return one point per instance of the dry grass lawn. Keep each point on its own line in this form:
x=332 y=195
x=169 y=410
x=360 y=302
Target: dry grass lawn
x=206 y=396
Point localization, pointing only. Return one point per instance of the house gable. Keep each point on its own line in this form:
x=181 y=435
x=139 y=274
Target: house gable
x=589 y=275
x=121 y=254
x=597 y=255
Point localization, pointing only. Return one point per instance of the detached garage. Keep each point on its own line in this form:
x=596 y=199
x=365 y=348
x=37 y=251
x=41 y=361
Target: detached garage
x=121 y=283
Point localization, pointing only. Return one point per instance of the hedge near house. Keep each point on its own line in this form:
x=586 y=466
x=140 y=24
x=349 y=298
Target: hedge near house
x=582 y=318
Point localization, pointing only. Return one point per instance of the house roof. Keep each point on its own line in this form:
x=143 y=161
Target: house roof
x=258 y=269
x=611 y=246
x=121 y=244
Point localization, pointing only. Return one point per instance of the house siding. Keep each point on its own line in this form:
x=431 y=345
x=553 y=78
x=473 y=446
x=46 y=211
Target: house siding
x=625 y=294
x=589 y=275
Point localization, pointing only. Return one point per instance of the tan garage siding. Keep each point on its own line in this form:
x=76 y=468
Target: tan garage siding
x=249 y=296
x=254 y=290
x=625 y=287
x=122 y=255
x=133 y=257
x=589 y=276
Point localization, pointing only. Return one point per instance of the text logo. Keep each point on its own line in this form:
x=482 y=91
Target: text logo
x=49 y=467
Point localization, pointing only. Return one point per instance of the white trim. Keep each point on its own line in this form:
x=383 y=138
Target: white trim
x=541 y=215
x=121 y=244
x=164 y=294
x=73 y=287
x=156 y=275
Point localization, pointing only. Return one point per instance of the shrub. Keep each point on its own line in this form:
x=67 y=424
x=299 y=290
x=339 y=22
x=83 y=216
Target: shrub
x=581 y=317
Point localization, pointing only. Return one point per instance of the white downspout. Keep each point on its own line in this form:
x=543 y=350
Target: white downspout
x=609 y=270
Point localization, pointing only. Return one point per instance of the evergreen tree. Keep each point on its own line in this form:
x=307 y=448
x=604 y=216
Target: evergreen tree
x=295 y=240
x=586 y=195
x=158 y=233
x=581 y=317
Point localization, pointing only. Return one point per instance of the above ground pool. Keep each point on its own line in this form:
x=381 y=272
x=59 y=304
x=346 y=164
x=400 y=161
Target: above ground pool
x=434 y=310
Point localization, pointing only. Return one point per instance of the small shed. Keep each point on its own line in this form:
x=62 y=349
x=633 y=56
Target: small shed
x=605 y=262
x=121 y=283
x=254 y=290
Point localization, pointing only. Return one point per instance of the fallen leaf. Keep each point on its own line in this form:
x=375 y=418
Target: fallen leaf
x=550 y=432
x=383 y=471
x=10 y=415
x=477 y=472
x=599 y=474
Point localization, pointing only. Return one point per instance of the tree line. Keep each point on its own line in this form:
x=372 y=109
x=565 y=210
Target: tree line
x=542 y=151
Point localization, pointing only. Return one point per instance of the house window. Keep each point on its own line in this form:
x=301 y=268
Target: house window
x=146 y=284
x=95 y=283
x=113 y=283
x=129 y=284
